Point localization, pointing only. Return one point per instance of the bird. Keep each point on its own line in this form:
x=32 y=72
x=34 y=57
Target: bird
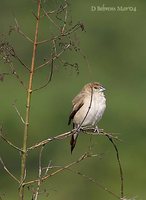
x=87 y=109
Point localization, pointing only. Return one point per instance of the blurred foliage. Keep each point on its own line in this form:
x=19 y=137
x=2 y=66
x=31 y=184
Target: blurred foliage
x=114 y=45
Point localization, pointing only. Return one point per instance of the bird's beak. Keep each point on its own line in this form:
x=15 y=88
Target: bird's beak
x=102 y=89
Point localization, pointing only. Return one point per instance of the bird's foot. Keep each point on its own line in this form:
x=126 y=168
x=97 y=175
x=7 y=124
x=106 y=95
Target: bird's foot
x=96 y=129
x=101 y=130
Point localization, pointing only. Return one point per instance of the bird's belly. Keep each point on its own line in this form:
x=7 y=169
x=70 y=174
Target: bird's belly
x=89 y=115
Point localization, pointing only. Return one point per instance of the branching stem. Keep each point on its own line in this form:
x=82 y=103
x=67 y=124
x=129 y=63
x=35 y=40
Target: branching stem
x=27 y=116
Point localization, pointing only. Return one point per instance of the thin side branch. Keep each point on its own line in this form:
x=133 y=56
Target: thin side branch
x=73 y=29
x=58 y=137
x=49 y=78
x=95 y=182
x=21 y=118
x=54 y=58
x=54 y=48
x=10 y=143
x=69 y=133
x=43 y=41
x=22 y=63
x=59 y=10
x=6 y=169
x=83 y=157
x=13 y=71
x=47 y=168
x=17 y=28
x=47 y=15
x=35 y=195
x=65 y=21
x=120 y=166
x=90 y=131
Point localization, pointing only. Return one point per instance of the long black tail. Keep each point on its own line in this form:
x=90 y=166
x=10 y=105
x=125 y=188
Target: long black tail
x=73 y=141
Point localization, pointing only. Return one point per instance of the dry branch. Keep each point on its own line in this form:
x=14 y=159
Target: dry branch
x=6 y=169
x=17 y=29
x=13 y=71
x=47 y=14
x=120 y=167
x=49 y=78
x=36 y=193
x=27 y=116
x=17 y=111
x=95 y=182
x=54 y=58
x=84 y=156
x=57 y=11
x=9 y=143
x=62 y=136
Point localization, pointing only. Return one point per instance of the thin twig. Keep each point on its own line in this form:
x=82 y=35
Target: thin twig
x=10 y=143
x=58 y=27
x=65 y=22
x=54 y=47
x=43 y=41
x=59 y=10
x=6 y=169
x=66 y=135
x=95 y=182
x=63 y=34
x=54 y=58
x=84 y=156
x=46 y=14
x=22 y=63
x=49 y=78
x=120 y=166
x=86 y=61
x=16 y=75
x=90 y=131
x=47 y=168
x=58 y=137
x=68 y=32
x=73 y=29
x=20 y=32
x=35 y=195
x=21 y=118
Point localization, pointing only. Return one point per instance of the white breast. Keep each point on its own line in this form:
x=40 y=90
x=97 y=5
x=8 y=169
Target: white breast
x=89 y=116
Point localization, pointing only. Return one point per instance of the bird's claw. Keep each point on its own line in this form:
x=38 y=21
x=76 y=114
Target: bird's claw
x=96 y=130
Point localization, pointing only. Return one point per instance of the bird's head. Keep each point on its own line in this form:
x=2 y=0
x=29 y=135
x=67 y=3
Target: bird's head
x=95 y=87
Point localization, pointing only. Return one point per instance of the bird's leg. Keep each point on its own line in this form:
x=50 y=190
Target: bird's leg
x=96 y=129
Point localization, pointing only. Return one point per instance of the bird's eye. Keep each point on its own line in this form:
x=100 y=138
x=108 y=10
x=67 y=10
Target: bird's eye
x=95 y=87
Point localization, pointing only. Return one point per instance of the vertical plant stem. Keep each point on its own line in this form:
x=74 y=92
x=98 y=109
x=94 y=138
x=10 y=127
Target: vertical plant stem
x=28 y=103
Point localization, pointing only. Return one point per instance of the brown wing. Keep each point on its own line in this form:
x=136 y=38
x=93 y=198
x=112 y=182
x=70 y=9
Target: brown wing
x=78 y=102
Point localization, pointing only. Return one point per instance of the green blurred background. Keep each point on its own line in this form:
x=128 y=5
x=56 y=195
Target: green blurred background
x=115 y=45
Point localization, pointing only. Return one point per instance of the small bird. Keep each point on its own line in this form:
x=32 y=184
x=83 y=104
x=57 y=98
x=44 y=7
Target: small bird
x=88 y=108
